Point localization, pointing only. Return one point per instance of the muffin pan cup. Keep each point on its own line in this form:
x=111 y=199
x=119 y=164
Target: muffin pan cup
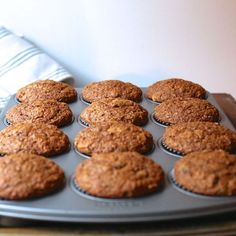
x=171 y=177
x=82 y=122
x=169 y=150
x=87 y=156
x=68 y=205
x=83 y=100
x=7 y=122
x=159 y=122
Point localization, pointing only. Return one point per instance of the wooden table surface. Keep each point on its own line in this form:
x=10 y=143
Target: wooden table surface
x=223 y=224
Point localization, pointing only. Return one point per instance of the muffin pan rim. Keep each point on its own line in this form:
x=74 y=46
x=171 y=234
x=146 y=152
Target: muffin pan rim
x=147 y=208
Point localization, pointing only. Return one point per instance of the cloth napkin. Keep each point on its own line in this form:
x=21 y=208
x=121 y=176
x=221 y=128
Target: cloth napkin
x=22 y=62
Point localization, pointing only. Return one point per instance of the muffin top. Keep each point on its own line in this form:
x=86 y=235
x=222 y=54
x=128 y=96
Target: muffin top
x=181 y=110
x=115 y=109
x=173 y=88
x=38 y=138
x=47 y=89
x=113 y=137
x=197 y=136
x=119 y=175
x=24 y=176
x=41 y=111
x=209 y=173
x=111 y=89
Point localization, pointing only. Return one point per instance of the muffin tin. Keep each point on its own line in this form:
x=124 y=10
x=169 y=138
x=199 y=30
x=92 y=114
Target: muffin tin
x=72 y=205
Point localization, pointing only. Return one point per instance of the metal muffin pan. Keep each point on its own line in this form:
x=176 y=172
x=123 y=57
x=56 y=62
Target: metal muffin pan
x=71 y=205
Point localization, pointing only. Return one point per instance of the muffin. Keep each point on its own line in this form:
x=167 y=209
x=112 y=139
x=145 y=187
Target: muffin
x=47 y=89
x=119 y=175
x=181 y=110
x=198 y=136
x=24 y=176
x=174 y=88
x=114 y=109
x=209 y=173
x=111 y=89
x=41 y=139
x=41 y=111
x=113 y=137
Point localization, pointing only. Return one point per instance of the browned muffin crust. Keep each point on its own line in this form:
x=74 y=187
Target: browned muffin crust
x=47 y=89
x=119 y=175
x=198 y=136
x=24 y=176
x=173 y=88
x=111 y=89
x=181 y=110
x=113 y=137
x=42 y=139
x=41 y=111
x=209 y=173
x=115 y=109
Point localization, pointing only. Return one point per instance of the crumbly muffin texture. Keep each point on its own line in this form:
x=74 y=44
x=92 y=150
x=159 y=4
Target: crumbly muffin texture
x=173 y=88
x=41 y=111
x=209 y=173
x=24 y=176
x=197 y=136
x=47 y=89
x=42 y=139
x=115 y=109
x=181 y=110
x=119 y=175
x=113 y=137
x=111 y=89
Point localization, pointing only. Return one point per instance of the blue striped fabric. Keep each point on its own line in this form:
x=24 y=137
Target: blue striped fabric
x=19 y=59
x=21 y=62
x=59 y=71
x=4 y=32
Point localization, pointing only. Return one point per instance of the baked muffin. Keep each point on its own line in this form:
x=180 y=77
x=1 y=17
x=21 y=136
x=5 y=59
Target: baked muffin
x=111 y=89
x=119 y=175
x=47 y=89
x=24 y=176
x=198 y=136
x=41 y=139
x=181 y=110
x=115 y=109
x=113 y=137
x=41 y=111
x=174 y=88
x=209 y=173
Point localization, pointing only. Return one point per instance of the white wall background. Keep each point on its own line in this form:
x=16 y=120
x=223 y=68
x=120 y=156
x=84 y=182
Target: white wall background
x=137 y=40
